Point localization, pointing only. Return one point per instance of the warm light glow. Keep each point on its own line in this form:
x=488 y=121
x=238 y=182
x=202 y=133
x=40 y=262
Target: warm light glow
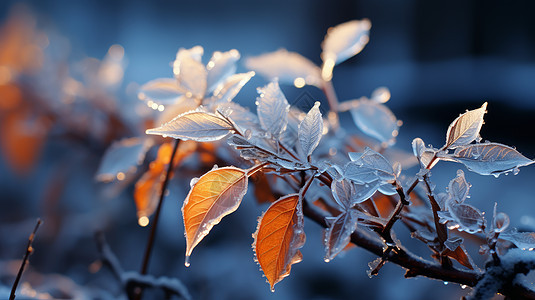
x=327 y=70
x=120 y=176
x=299 y=82
x=143 y=221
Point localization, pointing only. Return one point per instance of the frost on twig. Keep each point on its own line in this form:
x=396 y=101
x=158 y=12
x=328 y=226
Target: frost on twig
x=503 y=277
x=131 y=280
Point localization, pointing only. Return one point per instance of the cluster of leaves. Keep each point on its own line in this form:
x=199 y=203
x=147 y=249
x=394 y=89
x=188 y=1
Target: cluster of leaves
x=300 y=158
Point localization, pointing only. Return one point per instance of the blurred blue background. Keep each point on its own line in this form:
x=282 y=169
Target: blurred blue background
x=437 y=58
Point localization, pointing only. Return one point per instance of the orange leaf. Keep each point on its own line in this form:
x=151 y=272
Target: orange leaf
x=461 y=256
x=278 y=237
x=215 y=195
x=148 y=187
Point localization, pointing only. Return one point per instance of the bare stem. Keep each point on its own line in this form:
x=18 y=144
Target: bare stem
x=29 y=251
x=152 y=235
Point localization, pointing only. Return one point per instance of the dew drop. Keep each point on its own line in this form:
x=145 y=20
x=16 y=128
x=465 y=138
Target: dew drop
x=186 y=262
x=143 y=221
x=327 y=260
x=446 y=283
x=463 y=286
x=515 y=171
x=120 y=176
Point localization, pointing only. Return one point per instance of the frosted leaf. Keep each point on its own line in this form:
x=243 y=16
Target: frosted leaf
x=423 y=154
x=338 y=235
x=459 y=188
x=310 y=130
x=272 y=109
x=184 y=104
x=490 y=158
x=523 y=240
x=221 y=66
x=405 y=158
x=342 y=42
x=290 y=134
x=191 y=76
x=196 y=125
x=195 y=53
x=466 y=217
x=442 y=199
x=241 y=116
x=465 y=129
x=288 y=67
x=368 y=166
x=376 y=120
x=122 y=158
x=343 y=192
x=229 y=88
x=162 y=91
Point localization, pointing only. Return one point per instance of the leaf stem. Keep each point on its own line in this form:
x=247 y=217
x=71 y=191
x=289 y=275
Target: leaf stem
x=29 y=250
x=152 y=235
x=332 y=99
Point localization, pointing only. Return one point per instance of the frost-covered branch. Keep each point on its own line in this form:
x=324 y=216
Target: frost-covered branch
x=29 y=251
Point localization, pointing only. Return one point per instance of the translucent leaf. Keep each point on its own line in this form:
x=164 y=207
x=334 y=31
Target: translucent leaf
x=338 y=235
x=465 y=129
x=196 y=125
x=458 y=187
x=368 y=167
x=121 y=158
x=272 y=109
x=424 y=154
x=500 y=221
x=215 y=195
x=490 y=158
x=461 y=256
x=287 y=67
x=183 y=105
x=191 y=76
x=364 y=191
x=376 y=120
x=162 y=91
x=310 y=130
x=342 y=42
x=523 y=240
x=465 y=217
x=228 y=89
x=278 y=237
x=221 y=66
x=343 y=191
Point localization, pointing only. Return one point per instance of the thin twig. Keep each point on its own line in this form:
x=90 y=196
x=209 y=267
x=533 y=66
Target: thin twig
x=29 y=251
x=152 y=235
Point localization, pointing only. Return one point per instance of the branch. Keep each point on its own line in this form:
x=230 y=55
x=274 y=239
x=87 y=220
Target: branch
x=29 y=251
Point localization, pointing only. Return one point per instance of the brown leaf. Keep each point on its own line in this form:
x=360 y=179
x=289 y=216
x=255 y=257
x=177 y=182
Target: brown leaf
x=215 y=195
x=461 y=256
x=278 y=237
x=465 y=129
x=147 y=190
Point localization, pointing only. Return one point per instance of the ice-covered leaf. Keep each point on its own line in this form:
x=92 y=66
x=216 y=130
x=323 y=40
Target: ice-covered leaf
x=422 y=153
x=368 y=166
x=272 y=109
x=215 y=195
x=459 y=187
x=500 y=221
x=523 y=240
x=288 y=67
x=490 y=158
x=191 y=76
x=465 y=217
x=196 y=125
x=162 y=91
x=278 y=237
x=461 y=256
x=122 y=158
x=310 y=130
x=342 y=42
x=338 y=235
x=465 y=129
x=376 y=120
x=343 y=191
x=229 y=88
x=221 y=66
x=364 y=191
